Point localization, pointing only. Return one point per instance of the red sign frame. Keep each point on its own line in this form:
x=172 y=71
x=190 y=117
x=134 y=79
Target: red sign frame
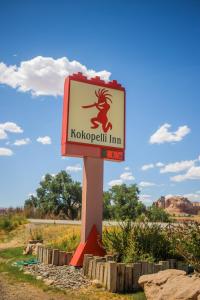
x=77 y=149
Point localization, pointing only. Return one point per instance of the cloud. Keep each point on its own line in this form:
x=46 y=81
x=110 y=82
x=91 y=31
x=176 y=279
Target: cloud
x=192 y=196
x=115 y=182
x=177 y=166
x=9 y=127
x=127 y=168
x=146 y=184
x=5 y=152
x=75 y=168
x=44 y=75
x=127 y=176
x=45 y=140
x=147 y=167
x=192 y=174
x=164 y=135
x=159 y=164
x=22 y=142
x=146 y=199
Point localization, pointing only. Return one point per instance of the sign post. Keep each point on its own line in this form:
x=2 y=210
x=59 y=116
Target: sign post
x=93 y=127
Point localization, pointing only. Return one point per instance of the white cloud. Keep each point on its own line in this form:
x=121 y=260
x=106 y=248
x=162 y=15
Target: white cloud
x=192 y=174
x=147 y=167
x=9 y=127
x=177 y=166
x=5 y=152
x=44 y=75
x=192 y=196
x=169 y=196
x=127 y=176
x=22 y=142
x=45 y=140
x=146 y=184
x=75 y=168
x=164 y=135
x=127 y=168
x=115 y=182
x=146 y=199
x=159 y=164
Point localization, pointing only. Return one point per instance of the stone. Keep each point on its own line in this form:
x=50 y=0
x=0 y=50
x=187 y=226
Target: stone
x=170 y=285
x=64 y=277
x=48 y=282
x=96 y=283
x=178 y=205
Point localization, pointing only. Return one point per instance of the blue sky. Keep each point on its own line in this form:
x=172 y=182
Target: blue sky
x=151 y=47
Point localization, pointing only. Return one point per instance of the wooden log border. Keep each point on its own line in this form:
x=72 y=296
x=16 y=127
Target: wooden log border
x=121 y=277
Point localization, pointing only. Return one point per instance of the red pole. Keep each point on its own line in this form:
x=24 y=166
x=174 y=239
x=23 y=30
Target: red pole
x=92 y=211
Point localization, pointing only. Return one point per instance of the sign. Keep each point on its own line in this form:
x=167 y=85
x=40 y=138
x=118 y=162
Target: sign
x=93 y=118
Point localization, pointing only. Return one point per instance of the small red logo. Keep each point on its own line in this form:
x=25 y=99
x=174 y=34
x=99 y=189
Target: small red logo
x=103 y=106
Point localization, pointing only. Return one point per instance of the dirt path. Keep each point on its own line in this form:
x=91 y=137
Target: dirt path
x=10 y=290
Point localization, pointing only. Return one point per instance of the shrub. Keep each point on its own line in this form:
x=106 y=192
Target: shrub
x=68 y=242
x=185 y=239
x=136 y=242
x=117 y=239
x=10 y=221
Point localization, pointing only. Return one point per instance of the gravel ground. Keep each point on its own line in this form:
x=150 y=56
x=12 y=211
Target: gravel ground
x=64 y=277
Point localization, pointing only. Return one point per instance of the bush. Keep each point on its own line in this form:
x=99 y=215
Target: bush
x=68 y=242
x=116 y=239
x=10 y=221
x=185 y=239
x=136 y=242
x=157 y=214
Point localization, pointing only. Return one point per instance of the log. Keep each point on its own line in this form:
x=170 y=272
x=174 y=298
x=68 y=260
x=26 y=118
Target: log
x=49 y=255
x=144 y=267
x=137 y=270
x=128 y=278
x=109 y=257
x=157 y=268
x=85 y=263
x=90 y=268
x=68 y=257
x=61 y=258
x=164 y=264
x=120 y=277
x=41 y=254
x=105 y=275
x=38 y=249
x=172 y=263
x=55 y=257
x=101 y=276
x=150 y=268
x=97 y=259
x=112 y=277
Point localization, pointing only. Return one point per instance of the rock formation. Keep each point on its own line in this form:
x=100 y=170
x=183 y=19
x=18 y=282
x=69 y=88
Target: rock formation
x=178 y=205
x=171 y=285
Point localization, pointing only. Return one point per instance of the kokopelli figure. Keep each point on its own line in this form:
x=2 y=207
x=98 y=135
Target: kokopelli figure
x=103 y=106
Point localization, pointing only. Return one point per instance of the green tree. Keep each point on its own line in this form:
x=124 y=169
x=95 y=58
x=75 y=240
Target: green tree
x=157 y=214
x=57 y=195
x=108 y=208
x=125 y=200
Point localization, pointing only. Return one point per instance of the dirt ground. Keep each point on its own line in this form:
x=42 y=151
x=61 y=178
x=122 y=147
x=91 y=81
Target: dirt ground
x=10 y=290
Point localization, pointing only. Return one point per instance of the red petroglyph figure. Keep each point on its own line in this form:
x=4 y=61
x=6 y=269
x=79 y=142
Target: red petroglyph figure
x=103 y=106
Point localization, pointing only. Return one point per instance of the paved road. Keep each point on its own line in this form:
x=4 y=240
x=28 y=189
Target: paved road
x=70 y=222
